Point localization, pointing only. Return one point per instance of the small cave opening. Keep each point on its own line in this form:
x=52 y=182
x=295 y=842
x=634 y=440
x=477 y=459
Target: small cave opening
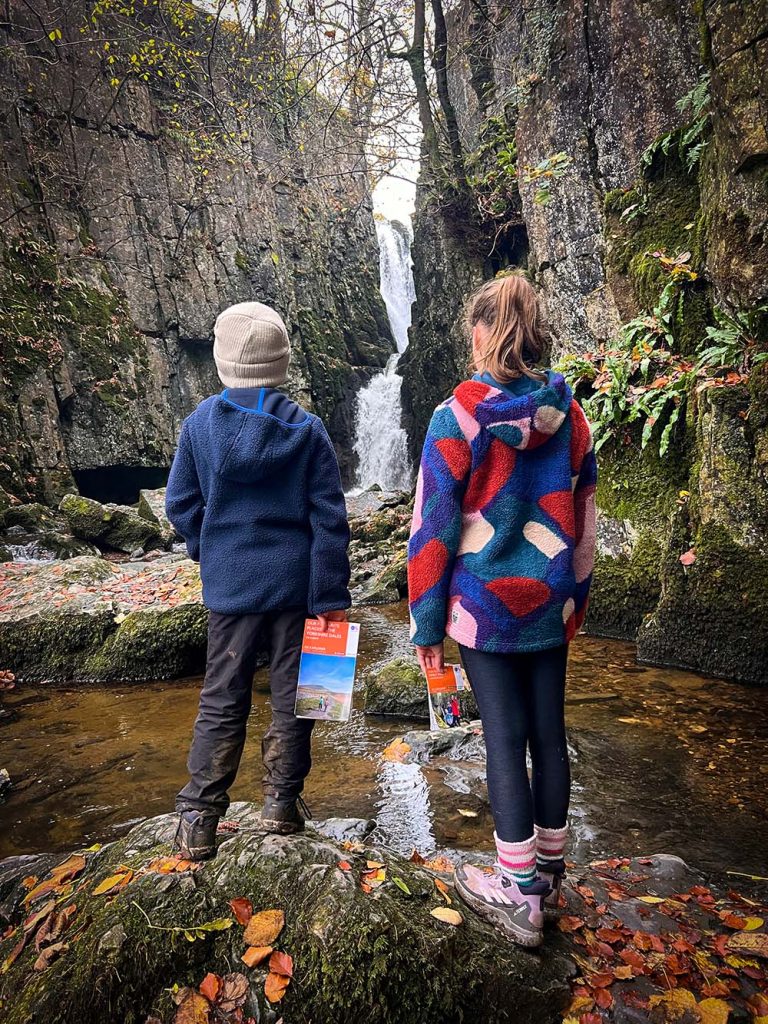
x=510 y=247
x=119 y=484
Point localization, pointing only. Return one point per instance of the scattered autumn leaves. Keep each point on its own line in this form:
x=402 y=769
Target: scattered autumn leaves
x=696 y=959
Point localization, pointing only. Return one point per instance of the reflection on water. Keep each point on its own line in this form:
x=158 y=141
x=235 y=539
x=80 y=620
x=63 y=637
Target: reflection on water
x=664 y=761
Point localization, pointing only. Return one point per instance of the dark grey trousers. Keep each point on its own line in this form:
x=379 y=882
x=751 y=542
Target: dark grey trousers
x=234 y=643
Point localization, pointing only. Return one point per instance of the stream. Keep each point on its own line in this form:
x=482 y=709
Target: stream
x=664 y=761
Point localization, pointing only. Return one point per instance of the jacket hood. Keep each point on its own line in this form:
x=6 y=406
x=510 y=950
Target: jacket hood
x=521 y=421
x=247 y=445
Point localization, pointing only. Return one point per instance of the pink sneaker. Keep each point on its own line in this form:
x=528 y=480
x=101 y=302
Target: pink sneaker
x=519 y=915
x=552 y=908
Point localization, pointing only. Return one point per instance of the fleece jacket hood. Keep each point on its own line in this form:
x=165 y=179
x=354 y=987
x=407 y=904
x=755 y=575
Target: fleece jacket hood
x=247 y=444
x=524 y=420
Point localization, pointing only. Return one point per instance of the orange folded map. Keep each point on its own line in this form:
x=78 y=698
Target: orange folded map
x=327 y=670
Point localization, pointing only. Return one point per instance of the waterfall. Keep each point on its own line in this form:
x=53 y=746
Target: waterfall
x=380 y=441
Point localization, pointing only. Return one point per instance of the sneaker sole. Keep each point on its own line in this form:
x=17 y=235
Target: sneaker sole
x=499 y=919
x=282 y=828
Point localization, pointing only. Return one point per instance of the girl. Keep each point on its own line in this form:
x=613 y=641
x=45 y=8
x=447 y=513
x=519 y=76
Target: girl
x=500 y=559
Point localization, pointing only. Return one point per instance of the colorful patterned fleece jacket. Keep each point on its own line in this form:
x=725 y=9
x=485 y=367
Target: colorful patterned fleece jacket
x=503 y=535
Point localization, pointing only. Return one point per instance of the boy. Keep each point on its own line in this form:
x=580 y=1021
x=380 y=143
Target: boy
x=255 y=492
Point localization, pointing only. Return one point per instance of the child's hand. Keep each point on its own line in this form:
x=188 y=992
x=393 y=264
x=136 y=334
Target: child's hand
x=326 y=617
x=431 y=657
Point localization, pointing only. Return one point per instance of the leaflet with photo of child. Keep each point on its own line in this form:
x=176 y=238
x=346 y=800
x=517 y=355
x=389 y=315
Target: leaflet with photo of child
x=443 y=688
x=327 y=670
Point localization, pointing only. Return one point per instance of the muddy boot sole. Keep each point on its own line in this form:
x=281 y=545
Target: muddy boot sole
x=499 y=918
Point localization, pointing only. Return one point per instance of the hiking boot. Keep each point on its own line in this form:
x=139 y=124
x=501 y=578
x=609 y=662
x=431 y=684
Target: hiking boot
x=552 y=907
x=284 y=817
x=195 y=836
x=519 y=915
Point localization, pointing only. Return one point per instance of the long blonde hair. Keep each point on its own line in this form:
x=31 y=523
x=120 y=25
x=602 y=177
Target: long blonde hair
x=508 y=308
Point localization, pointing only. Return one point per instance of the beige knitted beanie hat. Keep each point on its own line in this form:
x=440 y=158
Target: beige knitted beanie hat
x=251 y=347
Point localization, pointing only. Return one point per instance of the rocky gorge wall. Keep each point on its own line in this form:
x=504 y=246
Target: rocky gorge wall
x=596 y=135
x=127 y=227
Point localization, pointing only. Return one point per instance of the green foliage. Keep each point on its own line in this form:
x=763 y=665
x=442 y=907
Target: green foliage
x=544 y=174
x=492 y=170
x=645 y=380
x=688 y=142
x=640 y=380
x=736 y=341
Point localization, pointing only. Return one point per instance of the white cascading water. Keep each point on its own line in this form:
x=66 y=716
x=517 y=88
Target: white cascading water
x=380 y=441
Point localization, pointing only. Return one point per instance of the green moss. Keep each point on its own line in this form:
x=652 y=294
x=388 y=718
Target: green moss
x=668 y=218
x=87 y=518
x=639 y=484
x=625 y=589
x=712 y=614
x=153 y=645
x=53 y=646
x=241 y=260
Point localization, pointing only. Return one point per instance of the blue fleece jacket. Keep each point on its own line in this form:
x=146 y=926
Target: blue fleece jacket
x=255 y=492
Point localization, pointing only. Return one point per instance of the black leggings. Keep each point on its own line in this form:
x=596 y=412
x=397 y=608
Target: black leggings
x=521 y=698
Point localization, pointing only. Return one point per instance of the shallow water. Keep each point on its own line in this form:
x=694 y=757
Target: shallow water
x=664 y=761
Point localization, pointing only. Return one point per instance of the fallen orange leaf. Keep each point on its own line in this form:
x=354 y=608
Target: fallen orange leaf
x=118 y=880
x=344 y=865
x=442 y=888
x=62 y=873
x=440 y=864
x=447 y=915
x=210 y=987
x=255 y=955
x=397 y=750
x=275 y=986
x=193 y=1008
x=568 y=923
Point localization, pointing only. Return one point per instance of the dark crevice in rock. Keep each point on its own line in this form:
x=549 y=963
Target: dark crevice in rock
x=119 y=484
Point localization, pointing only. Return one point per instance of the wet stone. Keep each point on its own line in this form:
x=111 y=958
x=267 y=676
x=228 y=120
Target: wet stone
x=399 y=689
x=125 y=960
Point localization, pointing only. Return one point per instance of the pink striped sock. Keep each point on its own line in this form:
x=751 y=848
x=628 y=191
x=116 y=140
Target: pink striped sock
x=550 y=846
x=517 y=860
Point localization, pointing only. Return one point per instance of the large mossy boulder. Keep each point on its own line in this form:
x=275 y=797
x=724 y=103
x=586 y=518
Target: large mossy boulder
x=115 y=527
x=376 y=956
x=90 y=620
x=399 y=689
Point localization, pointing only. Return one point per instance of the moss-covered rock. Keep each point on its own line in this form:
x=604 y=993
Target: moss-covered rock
x=713 y=614
x=89 y=620
x=157 y=644
x=152 y=507
x=118 y=527
x=87 y=517
x=357 y=956
x=36 y=531
x=625 y=588
x=662 y=215
x=399 y=689
x=128 y=531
